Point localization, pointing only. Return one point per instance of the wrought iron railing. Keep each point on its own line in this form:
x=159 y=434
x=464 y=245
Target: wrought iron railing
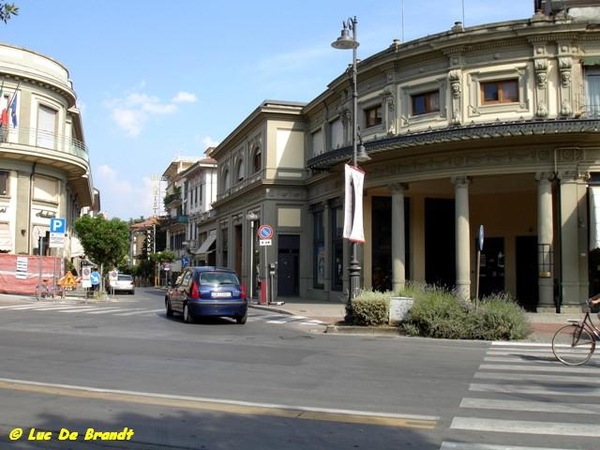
x=34 y=137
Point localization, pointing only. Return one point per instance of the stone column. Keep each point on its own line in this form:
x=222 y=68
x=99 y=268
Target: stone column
x=463 y=240
x=573 y=242
x=398 y=234
x=328 y=247
x=545 y=245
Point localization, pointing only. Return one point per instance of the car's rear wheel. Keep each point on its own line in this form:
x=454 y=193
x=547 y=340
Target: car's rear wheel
x=169 y=309
x=187 y=315
x=241 y=319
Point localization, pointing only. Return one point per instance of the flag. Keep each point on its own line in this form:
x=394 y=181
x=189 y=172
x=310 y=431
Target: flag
x=13 y=110
x=353 y=204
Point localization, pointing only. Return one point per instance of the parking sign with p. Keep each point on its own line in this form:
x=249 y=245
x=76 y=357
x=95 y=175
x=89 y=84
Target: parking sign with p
x=58 y=226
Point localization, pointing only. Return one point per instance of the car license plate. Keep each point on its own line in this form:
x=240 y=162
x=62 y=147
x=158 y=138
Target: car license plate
x=220 y=294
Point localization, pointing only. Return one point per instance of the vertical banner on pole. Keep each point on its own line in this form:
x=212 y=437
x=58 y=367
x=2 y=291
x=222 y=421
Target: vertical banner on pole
x=353 y=204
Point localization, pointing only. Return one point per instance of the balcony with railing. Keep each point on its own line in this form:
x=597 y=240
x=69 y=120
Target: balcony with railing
x=65 y=153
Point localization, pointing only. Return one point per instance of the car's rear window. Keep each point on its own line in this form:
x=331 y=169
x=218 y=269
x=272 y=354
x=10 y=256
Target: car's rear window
x=216 y=278
x=125 y=278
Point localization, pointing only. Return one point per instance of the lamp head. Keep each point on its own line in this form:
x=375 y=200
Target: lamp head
x=361 y=154
x=345 y=42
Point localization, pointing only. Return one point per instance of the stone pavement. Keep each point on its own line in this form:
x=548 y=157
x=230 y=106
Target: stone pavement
x=544 y=325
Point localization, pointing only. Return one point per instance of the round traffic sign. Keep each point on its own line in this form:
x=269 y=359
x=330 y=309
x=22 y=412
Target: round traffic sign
x=265 y=232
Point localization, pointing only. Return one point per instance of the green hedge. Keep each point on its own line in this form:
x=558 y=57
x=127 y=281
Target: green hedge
x=371 y=308
x=440 y=314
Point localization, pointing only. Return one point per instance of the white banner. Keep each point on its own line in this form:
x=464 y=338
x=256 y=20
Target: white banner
x=353 y=204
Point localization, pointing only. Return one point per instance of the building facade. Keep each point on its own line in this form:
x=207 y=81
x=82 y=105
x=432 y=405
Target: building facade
x=44 y=161
x=483 y=132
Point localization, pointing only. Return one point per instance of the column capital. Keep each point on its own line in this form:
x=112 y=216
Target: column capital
x=545 y=176
x=398 y=188
x=461 y=180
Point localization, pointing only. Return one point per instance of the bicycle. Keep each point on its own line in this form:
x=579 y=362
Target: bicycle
x=574 y=344
x=42 y=291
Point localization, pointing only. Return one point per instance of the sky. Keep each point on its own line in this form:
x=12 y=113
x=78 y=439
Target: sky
x=158 y=80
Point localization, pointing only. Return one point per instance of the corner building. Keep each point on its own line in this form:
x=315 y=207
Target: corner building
x=491 y=128
x=45 y=168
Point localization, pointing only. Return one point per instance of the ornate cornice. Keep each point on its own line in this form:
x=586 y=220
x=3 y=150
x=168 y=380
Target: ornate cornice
x=459 y=134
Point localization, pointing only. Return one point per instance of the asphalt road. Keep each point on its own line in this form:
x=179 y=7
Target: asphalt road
x=76 y=376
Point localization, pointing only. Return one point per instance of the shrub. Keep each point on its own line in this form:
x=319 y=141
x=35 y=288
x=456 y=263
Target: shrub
x=371 y=308
x=440 y=314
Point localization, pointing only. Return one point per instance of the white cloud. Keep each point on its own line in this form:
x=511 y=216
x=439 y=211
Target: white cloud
x=132 y=111
x=184 y=97
x=127 y=200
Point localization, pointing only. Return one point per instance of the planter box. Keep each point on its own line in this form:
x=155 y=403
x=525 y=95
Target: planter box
x=399 y=308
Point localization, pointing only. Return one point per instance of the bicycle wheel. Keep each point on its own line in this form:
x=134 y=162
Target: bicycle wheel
x=41 y=292
x=573 y=345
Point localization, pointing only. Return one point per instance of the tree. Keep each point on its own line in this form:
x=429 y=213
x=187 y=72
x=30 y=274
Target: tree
x=106 y=242
x=7 y=10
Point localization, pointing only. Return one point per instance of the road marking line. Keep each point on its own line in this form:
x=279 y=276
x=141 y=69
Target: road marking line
x=465 y=446
x=227 y=406
x=533 y=377
x=525 y=427
x=103 y=311
x=530 y=406
x=591 y=370
x=140 y=312
x=535 y=390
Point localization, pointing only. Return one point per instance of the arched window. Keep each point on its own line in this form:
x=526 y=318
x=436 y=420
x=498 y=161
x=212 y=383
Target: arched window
x=225 y=179
x=257 y=159
x=240 y=170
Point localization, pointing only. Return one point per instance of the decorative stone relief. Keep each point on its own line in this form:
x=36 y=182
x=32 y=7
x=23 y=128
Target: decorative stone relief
x=565 y=65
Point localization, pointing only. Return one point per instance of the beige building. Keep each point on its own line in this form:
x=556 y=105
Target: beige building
x=44 y=161
x=489 y=130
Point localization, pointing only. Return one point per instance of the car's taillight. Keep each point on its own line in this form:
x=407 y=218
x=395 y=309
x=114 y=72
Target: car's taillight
x=244 y=292
x=194 y=292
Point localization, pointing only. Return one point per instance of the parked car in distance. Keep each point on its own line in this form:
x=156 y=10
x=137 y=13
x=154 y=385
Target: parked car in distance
x=207 y=291
x=123 y=283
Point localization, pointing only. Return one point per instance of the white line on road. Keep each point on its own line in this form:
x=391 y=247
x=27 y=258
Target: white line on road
x=530 y=406
x=525 y=427
x=465 y=446
x=140 y=312
x=557 y=368
x=535 y=390
x=533 y=377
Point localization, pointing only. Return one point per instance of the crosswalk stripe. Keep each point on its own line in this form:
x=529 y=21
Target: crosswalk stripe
x=530 y=406
x=103 y=311
x=140 y=312
x=536 y=376
x=60 y=308
x=525 y=427
x=535 y=390
x=558 y=367
x=465 y=446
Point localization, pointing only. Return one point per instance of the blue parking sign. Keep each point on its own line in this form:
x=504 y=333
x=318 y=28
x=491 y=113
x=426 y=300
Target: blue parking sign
x=58 y=225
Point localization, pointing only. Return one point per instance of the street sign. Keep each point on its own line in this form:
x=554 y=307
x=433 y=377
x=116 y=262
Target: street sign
x=95 y=278
x=56 y=240
x=113 y=275
x=58 y=225
x=68 y=281
x=265 y=232
x=86 y=273
x=265 y=242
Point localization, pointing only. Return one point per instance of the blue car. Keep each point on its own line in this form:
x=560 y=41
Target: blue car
x=207 y=291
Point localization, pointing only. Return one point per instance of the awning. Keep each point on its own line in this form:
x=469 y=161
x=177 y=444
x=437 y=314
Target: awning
x=206 y=245
x=594 y=193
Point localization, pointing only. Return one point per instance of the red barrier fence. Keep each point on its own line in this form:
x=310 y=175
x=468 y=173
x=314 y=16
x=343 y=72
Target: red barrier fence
x=20 y=274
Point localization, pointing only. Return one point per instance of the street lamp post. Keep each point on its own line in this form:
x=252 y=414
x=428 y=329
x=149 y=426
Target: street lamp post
x=251 y=217
x=347 y=42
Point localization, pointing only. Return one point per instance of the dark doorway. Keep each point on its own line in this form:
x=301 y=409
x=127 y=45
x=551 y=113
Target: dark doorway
x=381 y=219
x=527 y=272
x=238 y=249
x=491 y=266
x=440 y=251
x=288 y=265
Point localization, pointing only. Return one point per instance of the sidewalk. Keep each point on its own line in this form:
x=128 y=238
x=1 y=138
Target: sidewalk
x=544 y=324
